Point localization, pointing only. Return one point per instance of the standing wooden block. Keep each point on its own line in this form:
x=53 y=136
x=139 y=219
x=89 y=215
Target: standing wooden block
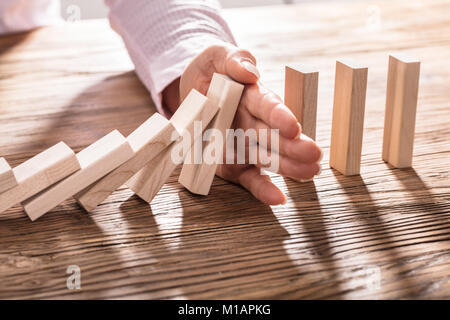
x=147 y=141
x=40 y=172
x=96 y=161
x=401 y=106
x=300 y=95
x=226 y=93
x=7 y=178
x=348 y=117
x=149 y=180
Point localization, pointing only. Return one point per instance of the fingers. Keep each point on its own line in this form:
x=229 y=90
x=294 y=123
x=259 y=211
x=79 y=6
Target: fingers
x=299 y=149
x=238 y=64
x=241 y=66
x=225 y=58
x=249 y=177
x=299 y=171
x=261 y=187
x=302 y=149
x=283 y=165
x=268 y=107
x=296 y=158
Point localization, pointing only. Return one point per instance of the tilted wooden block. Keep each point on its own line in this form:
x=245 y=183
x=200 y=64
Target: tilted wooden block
x=348 y=117
x=300 y=95
x=226 y=93
x=401 y=106
x=149 y=180
x=147 y=141
x=7 y=178
x=97 y=160
x=40 y=172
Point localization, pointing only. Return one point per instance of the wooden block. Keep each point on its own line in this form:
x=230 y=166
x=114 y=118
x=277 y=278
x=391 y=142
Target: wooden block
x=97 y=160
x=300 y=95
x=401 y=106
x=348 y=117
x=226 y=93
x=147 y=141
x=7 y=178
x=40 y=172
x=149 y=180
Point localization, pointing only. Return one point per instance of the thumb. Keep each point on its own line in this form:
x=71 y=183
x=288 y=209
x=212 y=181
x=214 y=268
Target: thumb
x=240 y=65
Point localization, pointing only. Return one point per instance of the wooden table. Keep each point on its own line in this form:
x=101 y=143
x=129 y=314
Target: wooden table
x=383 y=234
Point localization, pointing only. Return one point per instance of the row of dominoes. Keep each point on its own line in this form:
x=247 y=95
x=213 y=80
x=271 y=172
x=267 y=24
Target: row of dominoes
x=142 y=160
x=301 y=89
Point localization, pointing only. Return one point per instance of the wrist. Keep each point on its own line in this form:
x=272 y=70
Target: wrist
x=171 y=96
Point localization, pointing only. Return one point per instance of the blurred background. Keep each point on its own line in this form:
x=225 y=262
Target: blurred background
x=93 y=9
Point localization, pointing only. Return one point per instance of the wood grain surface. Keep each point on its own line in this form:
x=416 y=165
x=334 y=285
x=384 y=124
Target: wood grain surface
x=382 y=234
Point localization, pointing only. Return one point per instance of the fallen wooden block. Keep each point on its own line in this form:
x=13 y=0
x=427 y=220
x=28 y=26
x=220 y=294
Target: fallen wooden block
x=226 y=93
x=7 y=178
x=348 y=117
x=401 y=106
x=149 y=180
x=97 y=160
x=38 y=173
x=300 y=95
x=147 y=141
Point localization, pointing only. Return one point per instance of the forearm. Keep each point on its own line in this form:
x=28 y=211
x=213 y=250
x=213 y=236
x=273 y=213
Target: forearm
x=163 y=36
x=20 y=15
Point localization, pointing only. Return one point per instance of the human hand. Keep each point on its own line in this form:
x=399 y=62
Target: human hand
x=258 y=109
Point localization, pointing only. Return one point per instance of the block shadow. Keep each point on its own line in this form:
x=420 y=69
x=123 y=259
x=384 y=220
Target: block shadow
x=39 y=253
x=362 y=202
x=215 y=251
x=246 y=243
x=416 y=187
x=309 y=211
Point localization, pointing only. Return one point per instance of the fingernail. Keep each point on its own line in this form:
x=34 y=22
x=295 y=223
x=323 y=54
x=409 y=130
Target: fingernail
x=307 y=180
x=250 y=67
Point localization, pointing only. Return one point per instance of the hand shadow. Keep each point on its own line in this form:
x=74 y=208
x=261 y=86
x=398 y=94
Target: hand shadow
x=12 y=40
x=205 y=249
x=117 y=101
